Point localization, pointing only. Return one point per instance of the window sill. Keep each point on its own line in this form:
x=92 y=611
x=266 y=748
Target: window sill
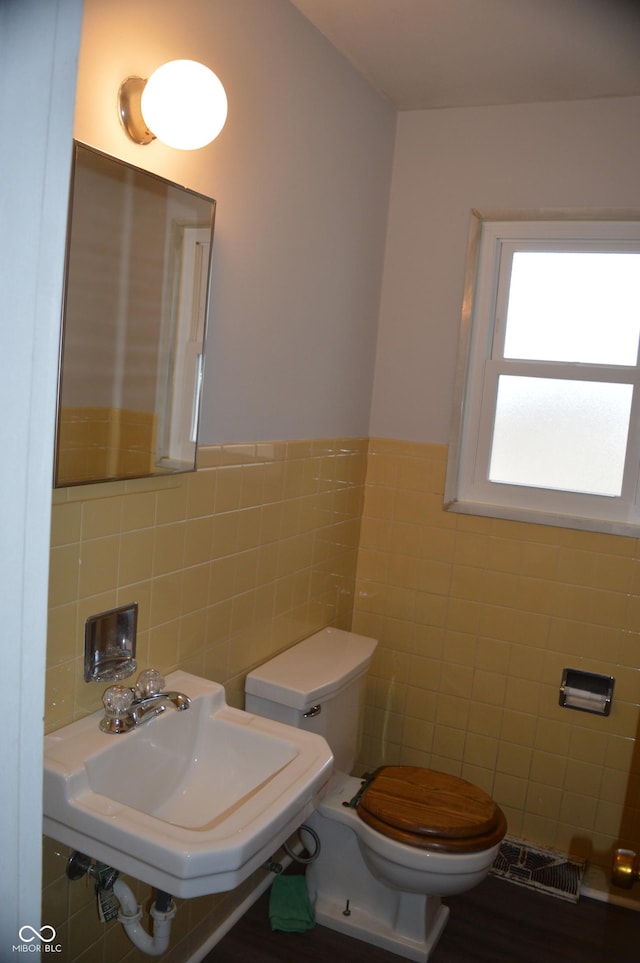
x=535 y=517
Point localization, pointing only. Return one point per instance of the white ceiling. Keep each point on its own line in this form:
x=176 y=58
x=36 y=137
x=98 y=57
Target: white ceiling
x=424 y=54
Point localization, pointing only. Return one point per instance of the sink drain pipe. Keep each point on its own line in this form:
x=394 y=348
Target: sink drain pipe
x=162 y=912
x=109 y=886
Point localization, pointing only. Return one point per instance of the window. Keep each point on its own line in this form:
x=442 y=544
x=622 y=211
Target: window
x=548 y=425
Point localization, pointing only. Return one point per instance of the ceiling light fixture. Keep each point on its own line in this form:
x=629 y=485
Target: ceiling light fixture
x=182 y=104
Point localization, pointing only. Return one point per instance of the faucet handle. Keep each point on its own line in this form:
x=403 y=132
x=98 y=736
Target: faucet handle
x=150 y=683
x=117 y=701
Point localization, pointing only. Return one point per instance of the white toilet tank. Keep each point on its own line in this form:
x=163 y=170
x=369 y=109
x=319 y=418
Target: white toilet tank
x=318 y=685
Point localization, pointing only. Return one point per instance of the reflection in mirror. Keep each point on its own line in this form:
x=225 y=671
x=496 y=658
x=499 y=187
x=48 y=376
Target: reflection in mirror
x=134 y=319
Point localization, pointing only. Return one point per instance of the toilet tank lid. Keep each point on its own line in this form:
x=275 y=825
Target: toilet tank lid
x=313 y=669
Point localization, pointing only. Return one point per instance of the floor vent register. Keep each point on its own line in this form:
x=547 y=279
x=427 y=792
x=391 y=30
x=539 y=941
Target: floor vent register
x=544 y=870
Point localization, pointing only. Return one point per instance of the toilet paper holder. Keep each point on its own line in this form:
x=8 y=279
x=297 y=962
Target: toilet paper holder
x=587 y=691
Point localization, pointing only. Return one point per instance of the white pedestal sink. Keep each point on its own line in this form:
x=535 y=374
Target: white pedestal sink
x=190 y=802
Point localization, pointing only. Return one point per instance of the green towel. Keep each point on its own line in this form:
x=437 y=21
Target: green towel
x=289 y=906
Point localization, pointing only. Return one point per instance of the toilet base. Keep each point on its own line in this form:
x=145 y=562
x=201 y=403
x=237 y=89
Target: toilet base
x=361 y=925
x=338 y=881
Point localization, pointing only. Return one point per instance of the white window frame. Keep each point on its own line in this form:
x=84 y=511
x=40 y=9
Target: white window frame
x=493 y=238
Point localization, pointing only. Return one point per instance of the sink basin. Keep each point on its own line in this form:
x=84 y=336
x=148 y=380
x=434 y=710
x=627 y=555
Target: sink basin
x=190 y=802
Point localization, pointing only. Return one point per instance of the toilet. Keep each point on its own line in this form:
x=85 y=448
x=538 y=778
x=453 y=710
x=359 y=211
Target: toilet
x=390 y=844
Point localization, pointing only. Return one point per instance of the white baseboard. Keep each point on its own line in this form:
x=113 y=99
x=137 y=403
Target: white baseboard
x=229 y=922
x=596 y=884
x=223 y=928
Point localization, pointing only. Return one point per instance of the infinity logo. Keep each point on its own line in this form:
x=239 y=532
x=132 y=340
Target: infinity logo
x=40 y=935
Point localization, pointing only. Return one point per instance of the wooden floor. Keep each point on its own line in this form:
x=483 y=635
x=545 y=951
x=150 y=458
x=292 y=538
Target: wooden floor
x=497 y=922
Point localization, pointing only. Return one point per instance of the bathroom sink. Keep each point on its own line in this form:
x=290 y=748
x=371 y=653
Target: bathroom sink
x=189 y=802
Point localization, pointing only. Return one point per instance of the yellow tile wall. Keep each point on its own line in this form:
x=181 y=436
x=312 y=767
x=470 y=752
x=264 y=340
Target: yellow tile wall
x=476 y=619
x=229 y=565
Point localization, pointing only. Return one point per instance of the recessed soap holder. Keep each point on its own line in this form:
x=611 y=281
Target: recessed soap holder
x=110 y=644
x=587 y=691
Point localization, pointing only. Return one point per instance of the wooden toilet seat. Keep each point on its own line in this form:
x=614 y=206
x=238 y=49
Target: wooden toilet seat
x=431 y=810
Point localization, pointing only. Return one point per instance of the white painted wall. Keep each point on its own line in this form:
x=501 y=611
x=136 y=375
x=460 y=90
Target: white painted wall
x=38 y=50
x=566 y=155
x=301 y=173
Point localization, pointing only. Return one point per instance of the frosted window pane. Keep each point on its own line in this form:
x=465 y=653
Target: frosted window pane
x=581 y=307
x=566 y=435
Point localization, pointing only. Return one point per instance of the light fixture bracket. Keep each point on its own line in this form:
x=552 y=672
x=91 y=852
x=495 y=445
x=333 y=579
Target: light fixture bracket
x=130 y=112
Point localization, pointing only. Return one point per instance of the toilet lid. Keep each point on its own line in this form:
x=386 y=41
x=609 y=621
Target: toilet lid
x=431 y=810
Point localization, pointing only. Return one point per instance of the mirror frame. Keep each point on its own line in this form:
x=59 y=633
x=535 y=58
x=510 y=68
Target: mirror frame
x=156 y=458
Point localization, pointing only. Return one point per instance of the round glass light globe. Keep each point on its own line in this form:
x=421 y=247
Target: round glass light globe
x=184 y=104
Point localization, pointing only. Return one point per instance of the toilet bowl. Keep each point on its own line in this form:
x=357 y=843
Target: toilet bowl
x=390 y=844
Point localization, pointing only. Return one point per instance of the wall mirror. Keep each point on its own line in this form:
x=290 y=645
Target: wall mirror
x=133 y=327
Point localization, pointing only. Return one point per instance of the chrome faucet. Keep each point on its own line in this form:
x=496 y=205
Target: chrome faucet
x=146 y=709
x=128 y=707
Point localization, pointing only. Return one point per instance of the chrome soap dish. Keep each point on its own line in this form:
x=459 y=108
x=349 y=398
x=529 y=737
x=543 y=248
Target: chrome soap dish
x=110 y=644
